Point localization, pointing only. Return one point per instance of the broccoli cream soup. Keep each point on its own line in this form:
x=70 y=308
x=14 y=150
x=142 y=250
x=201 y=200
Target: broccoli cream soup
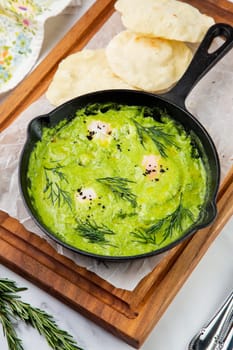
x=117 y=180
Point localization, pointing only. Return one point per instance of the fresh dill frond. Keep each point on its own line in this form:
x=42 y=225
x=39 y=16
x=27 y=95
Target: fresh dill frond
x=168 y=226
x=142 y=236
x=119 y=186
x=94 y=233
x=123 y=215
x=55 y=193
x=148 y=235
x=96 y=108
x=160 y=138
x=12 y=309
x=174 y=221
x=56 y=170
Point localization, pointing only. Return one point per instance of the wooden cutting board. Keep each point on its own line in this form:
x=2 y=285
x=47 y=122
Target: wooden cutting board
x=130 y=315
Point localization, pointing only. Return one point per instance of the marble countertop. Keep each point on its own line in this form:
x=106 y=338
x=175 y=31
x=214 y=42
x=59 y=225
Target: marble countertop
x=198 y=299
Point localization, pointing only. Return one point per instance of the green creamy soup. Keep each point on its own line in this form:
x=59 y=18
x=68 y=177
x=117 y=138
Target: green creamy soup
x=117 y=180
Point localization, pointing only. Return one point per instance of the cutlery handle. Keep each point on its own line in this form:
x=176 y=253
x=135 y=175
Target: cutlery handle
x=218 y=333
x=228 y=344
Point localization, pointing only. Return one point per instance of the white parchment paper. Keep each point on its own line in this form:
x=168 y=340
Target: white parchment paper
x=72 y=7
x=211 y=102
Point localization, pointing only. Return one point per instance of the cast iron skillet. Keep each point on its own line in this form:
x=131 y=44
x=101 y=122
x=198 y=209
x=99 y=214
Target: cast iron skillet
x=173 y=102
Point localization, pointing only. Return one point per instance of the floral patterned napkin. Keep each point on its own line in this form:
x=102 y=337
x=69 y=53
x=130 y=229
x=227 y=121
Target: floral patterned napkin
x=21 y=36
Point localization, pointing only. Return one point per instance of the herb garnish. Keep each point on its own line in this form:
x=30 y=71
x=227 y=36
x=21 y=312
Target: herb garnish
x=12 y=308
x=95 y=108
x=123 y=215
x=157 y=135
x=169 y=224
x=119 y=186
x=94 y=233
x=55 y=193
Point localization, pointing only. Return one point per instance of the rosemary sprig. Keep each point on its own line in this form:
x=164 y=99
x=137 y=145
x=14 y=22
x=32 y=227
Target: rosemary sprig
x=169 y=224
x=14 y=343
x=12 y=307
x=94 y=233
x=157 y=135
x=55 y=193
x=119 y=186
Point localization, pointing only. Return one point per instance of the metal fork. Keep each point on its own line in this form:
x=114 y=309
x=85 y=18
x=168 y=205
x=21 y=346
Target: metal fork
x=217 y=334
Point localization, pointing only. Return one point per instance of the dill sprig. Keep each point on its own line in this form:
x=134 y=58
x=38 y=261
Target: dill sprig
x=55 y=193
x=94 y=233
x=157 y=135
x=12 y=307
x=119 y=186
x=174 y=221
x=148 y=235
x=169 y=225
x=56 y=170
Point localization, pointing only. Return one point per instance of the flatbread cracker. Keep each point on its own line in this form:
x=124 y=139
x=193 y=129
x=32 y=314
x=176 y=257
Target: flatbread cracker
x=169 y=19
x=80 y=73
x=150 y=64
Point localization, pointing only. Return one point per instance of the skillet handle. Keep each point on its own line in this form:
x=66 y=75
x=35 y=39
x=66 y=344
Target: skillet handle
x=201 y=63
